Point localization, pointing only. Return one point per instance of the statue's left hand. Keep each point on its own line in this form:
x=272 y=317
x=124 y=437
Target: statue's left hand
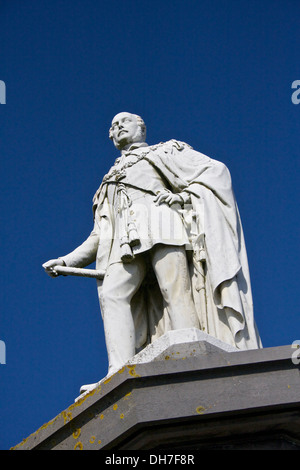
x=167 y=197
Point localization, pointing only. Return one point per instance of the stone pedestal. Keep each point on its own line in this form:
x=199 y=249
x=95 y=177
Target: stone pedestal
x=185 y=392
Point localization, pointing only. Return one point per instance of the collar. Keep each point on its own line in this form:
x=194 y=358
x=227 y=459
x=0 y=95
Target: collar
x=134 y=146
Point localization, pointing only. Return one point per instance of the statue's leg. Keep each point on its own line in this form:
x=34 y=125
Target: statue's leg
x=120 y=284
x=171 y=268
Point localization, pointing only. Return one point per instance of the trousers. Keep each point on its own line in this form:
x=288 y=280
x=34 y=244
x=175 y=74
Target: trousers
x=122 y=281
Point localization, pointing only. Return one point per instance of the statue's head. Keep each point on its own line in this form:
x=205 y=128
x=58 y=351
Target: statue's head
x=126 y=129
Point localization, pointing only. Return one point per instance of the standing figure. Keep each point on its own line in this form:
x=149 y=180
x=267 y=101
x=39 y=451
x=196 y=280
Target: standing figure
x=168 y=235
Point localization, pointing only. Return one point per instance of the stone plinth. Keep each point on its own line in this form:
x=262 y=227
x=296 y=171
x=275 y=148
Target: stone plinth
x=187 y=391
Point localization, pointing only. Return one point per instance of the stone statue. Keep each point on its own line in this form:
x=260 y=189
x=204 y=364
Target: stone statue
x=168 y=238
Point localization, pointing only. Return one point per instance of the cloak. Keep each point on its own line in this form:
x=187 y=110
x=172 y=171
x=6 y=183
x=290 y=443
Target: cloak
x=219 y=267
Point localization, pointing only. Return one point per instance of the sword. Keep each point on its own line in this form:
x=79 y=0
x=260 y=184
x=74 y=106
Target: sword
x=71 y=271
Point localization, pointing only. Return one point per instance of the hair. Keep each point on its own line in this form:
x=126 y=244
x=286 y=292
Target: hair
x=140 y=122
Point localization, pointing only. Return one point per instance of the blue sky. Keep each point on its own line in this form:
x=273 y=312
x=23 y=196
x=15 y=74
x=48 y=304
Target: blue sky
x=216 y=75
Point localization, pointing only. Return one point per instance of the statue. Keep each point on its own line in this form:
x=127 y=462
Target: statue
x=169 y=243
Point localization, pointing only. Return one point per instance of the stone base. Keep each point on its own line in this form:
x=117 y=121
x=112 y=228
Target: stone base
x=186 y=391
x=158 y=350
x=202 y=342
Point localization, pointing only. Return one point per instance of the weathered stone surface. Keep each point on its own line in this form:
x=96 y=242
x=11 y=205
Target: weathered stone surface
x=205 y=344
x=191 y=396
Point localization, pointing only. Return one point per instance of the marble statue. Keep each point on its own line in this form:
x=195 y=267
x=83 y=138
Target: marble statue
x=169 y=243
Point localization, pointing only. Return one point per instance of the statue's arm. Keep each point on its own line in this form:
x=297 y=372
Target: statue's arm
x=82 y=256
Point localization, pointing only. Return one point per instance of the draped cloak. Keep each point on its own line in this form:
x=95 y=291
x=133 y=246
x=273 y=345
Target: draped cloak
x=216 y=254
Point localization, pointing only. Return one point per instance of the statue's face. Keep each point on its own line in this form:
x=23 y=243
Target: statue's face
x=125 y=130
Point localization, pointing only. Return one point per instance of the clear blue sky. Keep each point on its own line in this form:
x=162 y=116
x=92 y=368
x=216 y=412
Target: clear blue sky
x=215 y=74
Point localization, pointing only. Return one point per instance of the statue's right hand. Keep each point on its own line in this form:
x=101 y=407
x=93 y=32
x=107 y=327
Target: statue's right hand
x=49 y=266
